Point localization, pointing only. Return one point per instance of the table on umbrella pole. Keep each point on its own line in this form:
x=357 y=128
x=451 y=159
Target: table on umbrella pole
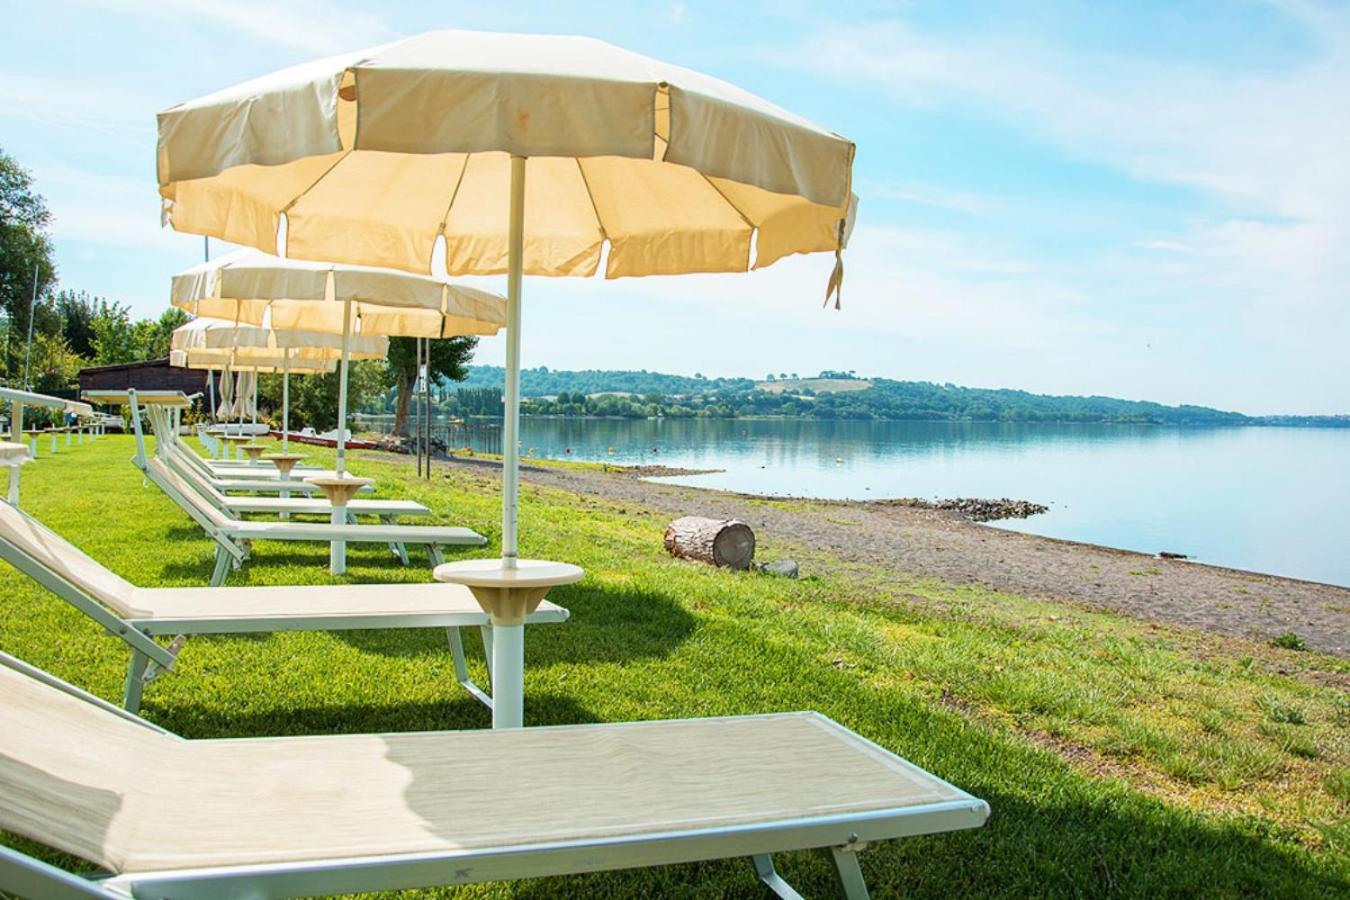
x=339 y=489
x=12 y=456
x=508 y=595
x=284 y=462
x=235 y=441
x=253 y=451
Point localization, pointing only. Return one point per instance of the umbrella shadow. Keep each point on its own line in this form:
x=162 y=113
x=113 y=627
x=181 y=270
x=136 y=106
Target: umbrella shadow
x=457 y=712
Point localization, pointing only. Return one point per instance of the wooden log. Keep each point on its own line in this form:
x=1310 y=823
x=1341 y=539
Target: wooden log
x=719 y=542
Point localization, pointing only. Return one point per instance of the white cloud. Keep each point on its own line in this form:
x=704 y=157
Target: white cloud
x=86 y=106
x=1269 y=147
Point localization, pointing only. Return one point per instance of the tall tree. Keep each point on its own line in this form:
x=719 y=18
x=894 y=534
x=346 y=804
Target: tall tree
x=77 y=311
x=152 y=337
x=314 y=398
x=25 y=250
x=449 y=360
x=114 y=333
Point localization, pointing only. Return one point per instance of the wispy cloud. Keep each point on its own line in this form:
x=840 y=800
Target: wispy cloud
x=312 y=26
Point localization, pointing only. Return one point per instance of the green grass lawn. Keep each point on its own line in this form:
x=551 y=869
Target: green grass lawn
x=1119 y=758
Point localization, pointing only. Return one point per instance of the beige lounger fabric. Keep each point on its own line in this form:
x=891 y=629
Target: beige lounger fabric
x=309 y=531
x=233 y=603
x=101 y=787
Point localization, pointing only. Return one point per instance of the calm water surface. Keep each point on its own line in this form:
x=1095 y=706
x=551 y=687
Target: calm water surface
x=1267 y=499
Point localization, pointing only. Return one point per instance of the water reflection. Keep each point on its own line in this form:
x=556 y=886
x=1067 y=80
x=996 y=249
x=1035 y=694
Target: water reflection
x=1269 y=499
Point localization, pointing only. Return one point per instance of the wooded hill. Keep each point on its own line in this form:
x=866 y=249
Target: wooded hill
x=643 y=393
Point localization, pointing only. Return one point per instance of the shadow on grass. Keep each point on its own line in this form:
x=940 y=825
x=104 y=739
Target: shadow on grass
x=1026 y=850
x=363 y=557
x=607 y=625
x=459 y=712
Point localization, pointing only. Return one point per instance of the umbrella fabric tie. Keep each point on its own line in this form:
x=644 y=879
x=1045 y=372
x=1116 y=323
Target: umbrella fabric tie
x=836 y=283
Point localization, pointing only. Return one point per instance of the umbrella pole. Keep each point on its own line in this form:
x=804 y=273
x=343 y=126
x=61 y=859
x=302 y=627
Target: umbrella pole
x=511 y=422
x=508 y=637
x=342 y=389
x=286 y=402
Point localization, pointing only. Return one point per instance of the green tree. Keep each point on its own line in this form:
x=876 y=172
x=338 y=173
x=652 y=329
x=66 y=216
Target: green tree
x=25 y=250
x=114 y=333
x=314 y=398
x=449 y=361
x=77 y=310
x=55 y=366
x=151 y=337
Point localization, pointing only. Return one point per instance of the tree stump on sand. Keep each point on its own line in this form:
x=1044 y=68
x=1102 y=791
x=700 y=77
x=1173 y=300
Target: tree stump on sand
x=720 y=542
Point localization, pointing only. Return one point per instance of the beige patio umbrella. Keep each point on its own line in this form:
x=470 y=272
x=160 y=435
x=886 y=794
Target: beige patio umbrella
x=522 y=154
x=301 y=304
x=233 y=346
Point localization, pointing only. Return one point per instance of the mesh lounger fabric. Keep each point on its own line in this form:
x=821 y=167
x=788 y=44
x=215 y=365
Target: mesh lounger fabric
x=106 y=789
x=223 y=604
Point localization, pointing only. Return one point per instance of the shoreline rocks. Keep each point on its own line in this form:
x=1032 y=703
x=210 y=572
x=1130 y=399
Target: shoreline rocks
x=975 y=509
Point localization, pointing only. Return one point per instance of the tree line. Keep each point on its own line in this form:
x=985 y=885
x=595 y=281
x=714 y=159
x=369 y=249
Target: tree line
x=648 y=394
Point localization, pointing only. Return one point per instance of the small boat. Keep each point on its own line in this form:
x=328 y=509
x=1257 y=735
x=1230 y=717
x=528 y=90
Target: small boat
x=324 y=440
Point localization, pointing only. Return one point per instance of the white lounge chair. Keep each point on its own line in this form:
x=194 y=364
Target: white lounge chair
x=137 y=615
x=233 y=537
x=303 y=816
x=386 y=510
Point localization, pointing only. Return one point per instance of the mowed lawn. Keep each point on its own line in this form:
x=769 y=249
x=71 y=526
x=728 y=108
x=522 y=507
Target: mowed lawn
x=1119 y=759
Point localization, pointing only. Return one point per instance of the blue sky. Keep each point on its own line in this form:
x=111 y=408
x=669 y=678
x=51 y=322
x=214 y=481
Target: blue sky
x=1147 y=200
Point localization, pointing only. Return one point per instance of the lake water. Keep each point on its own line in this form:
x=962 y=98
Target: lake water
x=1267 y=499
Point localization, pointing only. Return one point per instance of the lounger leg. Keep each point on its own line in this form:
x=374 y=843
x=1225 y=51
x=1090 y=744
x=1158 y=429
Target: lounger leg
x=131 y=694
x=769 y=875
x=486 y=632
x=435 y=555
x=462 y=668
x=222 y=569
x=849 y=873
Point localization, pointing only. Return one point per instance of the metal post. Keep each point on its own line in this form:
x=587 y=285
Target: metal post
x=342 y=389
x=211 y=394
x=508 y=664
x=511 y=422
x=415 y=401
x=337 y=550
x=427 y=391
x=286 y=401
x=28 y=353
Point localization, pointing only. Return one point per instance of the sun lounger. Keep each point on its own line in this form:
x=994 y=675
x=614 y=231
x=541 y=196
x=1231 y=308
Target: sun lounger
x=386 y=510
x=330 y=814
x=137 y=615
x=212 y=445
x=233 y=537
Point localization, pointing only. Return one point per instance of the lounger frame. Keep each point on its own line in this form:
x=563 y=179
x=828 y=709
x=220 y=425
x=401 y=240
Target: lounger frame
x=234 y=544
x=149 y=658
x=841 y=837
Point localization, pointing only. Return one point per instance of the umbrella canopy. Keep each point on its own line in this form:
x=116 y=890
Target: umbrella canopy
x=303 y=302
x=220 y=361
x=677 y=171
x=311 y=303
x=204 y=341
x=523 y=154
x=245 y=396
